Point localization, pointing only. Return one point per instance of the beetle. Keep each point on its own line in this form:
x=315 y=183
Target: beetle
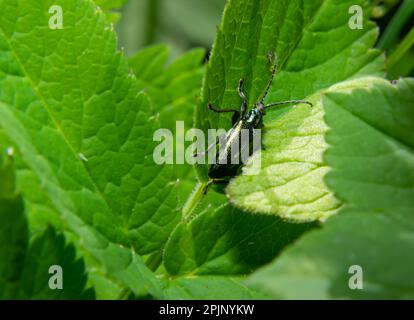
x=224 y=168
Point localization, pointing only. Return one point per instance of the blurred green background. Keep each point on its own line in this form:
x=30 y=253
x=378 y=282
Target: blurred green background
x=185 y=24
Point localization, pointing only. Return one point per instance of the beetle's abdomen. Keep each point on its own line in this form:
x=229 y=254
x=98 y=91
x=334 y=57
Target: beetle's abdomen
x=233 y=151
x=218 y=171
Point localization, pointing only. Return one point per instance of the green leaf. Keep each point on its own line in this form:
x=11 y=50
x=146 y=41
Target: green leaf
x=173 y=89
x=84 y=130
x=250 y=29
x=372 y=158
x=215 y=242
x=180 y=85
x=210 y=288
x=375 y=172
x=24 y=267
x=118 y=264
x=290 y=181
x=13 y=234
x=227 y=241
x=110 y=4
x=149 y=63
x=317 y=267
x=39 y=209
x=82 y=127
x=112 y=17
x=81 y=117
x=110 y=274
x=41 y=212
x=47 y=250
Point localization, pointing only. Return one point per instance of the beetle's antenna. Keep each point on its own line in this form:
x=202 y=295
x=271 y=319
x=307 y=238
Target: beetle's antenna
x=287 y=102
x=272 y=76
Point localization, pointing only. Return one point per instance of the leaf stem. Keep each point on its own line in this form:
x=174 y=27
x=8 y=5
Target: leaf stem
x=154 y=261
x=397 y=23
x=124 y=294
x=194 y=199
x=402 y=49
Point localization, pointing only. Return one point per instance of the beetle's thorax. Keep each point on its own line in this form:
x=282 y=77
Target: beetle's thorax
x=254 y=116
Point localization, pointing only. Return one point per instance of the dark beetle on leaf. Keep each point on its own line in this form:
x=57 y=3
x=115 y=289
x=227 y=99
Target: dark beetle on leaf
x=228 y=163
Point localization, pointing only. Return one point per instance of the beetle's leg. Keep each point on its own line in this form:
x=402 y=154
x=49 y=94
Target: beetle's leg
x=236 y=113
x=240 y=89
x=235 y=118
x=210 y=106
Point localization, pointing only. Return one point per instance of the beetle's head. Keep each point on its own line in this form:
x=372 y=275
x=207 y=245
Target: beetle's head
x=261 y=108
